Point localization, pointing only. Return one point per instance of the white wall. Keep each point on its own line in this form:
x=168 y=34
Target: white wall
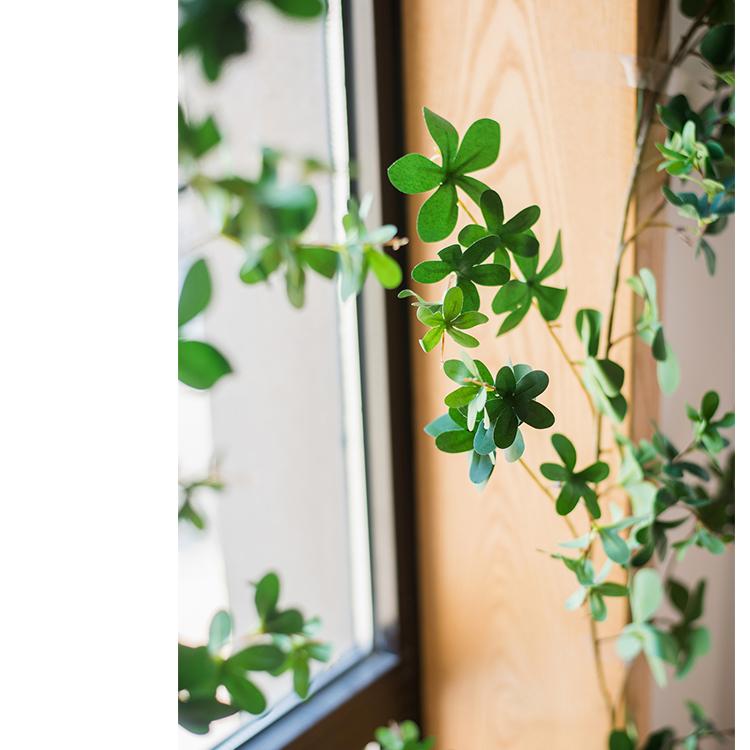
x=698 y=311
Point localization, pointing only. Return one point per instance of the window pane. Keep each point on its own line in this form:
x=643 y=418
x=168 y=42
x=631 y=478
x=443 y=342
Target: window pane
x=286 y=427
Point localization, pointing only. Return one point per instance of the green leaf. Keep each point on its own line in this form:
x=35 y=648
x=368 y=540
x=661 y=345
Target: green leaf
x=385 y=268
x=598 y=607
x=444 y=135
x=588 y=326
x=532 y=384
x=432 y=338
x=438 y=215
x=452 y=303
x=259 y=658
x=430 y=271
x=462 y=339
x=551 y=301
x=709 y=404
x=511 y=295
x=554 y=472
x=440 y=425
x=196 y=292
x=480 y=468
x=645 y=595
x=457 y=371
x=567 y=499
x=322 y=260
x=469 y=320
x=288 y=622
x=597 y=472
x=619 y=740
x=479 y=148
x=197 y=671
x=219 y=630
x=506 y=425
x=300 y=8
x=615 y=546
x=659 y=345
x=717 y=46
x=196 y=715
x=462 y=396
x=565 y=449
x=668 y=372
x=554 y=262
x=199 y=364
x=523 y=220
x=414 y=173
x=301 y=678
x=455 y=441
x=535 y=414
x=196 y=139
x=612 y=589
x=267 y=595
x=245 y=694
x=516 y=449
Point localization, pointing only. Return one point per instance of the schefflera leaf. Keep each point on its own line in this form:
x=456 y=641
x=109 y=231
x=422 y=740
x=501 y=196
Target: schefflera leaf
x=651 y=330
x=415 y=173
x=469 y=267
x=517 y=296
x=574 y=485
x=603 y=377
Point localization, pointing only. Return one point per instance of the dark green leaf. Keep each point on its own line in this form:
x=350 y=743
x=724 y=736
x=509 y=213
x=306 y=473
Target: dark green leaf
x=565 y=449
x=287 y=622
x=535 y=414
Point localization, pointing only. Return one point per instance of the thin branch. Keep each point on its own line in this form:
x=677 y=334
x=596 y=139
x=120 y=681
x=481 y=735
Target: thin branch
x=541 y=486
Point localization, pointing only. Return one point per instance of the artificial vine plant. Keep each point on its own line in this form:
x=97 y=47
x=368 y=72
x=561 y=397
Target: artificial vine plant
x=672 y=505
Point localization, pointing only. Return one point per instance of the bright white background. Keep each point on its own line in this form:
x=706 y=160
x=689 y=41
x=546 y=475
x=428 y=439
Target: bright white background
x=88 y=398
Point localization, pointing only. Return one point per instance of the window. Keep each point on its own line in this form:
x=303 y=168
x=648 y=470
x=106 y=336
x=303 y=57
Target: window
x=322 y=496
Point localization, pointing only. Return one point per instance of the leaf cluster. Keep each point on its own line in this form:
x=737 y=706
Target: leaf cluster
x=285 y=644
x=199 y=364
x=486 y=413
x=415 y=173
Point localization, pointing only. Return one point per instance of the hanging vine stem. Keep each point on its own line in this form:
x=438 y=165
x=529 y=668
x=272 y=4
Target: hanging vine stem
x=539 y=484
x=551 y=330
x=644 y=126
x=599 y=664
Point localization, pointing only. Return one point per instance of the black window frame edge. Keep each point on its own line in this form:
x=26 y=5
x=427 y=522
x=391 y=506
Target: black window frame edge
x=384 y=684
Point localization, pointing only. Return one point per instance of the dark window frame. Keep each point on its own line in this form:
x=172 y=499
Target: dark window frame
x=384 y=684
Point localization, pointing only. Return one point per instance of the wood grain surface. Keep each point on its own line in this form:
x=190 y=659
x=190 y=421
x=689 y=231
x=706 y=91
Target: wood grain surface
x=504 y=665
